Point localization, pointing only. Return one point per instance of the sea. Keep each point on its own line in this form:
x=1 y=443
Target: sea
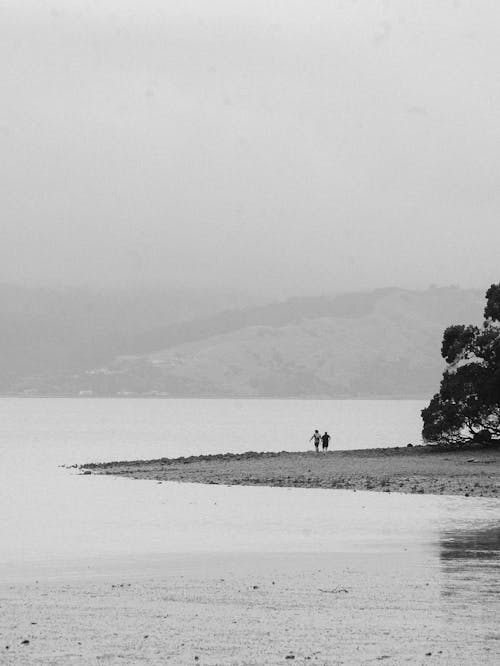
x=56 y=522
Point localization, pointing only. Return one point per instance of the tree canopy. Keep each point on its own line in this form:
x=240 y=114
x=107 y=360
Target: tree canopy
x=467 y=407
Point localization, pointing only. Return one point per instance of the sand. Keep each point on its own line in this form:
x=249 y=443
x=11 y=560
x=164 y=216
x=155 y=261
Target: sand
x=252 y=610
x=421 y=469
x=398 y=605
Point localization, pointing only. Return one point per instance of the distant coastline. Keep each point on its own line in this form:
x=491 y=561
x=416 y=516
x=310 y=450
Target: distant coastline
x=31 y=396
x=471 y=472
x=383 y=343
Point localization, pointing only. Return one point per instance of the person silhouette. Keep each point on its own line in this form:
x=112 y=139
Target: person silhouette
x=325 y=439
x=316 y=436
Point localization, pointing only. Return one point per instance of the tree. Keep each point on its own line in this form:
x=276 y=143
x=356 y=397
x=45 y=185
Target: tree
x=467 y=407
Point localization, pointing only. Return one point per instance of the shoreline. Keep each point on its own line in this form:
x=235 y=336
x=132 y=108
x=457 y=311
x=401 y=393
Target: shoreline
x=358 y=398
x=256 y=609
x=470 y=472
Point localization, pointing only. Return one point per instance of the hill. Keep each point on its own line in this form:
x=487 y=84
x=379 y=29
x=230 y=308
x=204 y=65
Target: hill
x=48 y=333
x=381 y=343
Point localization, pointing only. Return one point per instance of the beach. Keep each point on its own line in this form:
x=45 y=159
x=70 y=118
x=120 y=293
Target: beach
x=268 y=575
x=241 y=610
x=245 y=561
x=419 y=469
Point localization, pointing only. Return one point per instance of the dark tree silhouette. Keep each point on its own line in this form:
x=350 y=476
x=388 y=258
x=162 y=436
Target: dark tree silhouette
x=467 y=407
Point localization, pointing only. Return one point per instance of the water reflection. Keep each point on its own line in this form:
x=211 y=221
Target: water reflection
x=467 y=544
x=470 y=564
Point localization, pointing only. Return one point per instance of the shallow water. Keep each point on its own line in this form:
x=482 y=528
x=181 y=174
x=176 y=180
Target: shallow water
x=68 y=430
x=55 y=520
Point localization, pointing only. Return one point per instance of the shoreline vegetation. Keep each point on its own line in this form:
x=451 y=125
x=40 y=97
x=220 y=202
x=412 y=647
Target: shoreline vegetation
x=471 y=471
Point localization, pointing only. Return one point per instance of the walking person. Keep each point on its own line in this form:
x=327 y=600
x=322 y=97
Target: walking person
x=317 y=437
x=325 y=439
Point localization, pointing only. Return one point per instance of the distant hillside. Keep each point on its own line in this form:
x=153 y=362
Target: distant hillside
x=47 y=333
x=382 y=343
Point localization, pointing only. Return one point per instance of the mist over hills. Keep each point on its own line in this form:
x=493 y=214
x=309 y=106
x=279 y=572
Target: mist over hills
x=46 y=332
x=380 y=343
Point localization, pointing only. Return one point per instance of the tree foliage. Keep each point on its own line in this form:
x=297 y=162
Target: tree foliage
x=467 y=407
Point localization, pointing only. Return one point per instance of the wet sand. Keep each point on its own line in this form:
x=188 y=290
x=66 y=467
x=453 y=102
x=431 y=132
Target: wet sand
x=320 y=608
x=420 y=469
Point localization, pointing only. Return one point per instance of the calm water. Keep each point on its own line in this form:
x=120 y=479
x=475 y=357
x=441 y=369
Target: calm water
x=54 y=520
x=69 y=430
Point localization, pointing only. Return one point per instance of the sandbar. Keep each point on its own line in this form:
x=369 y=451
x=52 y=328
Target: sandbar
x=420 y=469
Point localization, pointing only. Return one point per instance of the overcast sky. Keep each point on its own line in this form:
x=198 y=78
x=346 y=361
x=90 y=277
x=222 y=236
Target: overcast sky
x=272 y=145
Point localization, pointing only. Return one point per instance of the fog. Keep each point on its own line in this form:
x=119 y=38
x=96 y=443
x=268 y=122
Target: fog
x=281 y=147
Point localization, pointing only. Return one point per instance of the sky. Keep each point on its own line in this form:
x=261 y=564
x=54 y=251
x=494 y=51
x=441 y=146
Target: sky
x=275 y=146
